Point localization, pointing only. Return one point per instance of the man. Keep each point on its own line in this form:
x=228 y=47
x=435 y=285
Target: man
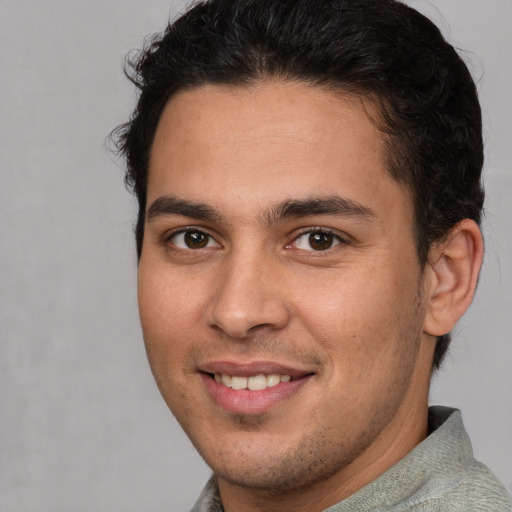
x=308 y=177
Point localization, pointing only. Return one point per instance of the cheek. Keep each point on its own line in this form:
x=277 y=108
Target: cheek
x=168 y=302
x=168 y=321
x=360 y=317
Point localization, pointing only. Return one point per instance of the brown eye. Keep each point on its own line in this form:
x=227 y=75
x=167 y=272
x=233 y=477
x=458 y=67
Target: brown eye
x=196 y=239
x=321 y=241
x=192 y=239
x=317 y=240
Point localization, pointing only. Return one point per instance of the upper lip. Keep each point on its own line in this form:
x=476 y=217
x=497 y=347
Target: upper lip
x=250 y=369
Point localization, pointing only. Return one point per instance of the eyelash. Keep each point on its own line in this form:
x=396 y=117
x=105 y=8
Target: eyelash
x=323 y=231
x=169 y=238
x=336 y=237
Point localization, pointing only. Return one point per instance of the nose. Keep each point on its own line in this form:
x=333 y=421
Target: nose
x=249 y=296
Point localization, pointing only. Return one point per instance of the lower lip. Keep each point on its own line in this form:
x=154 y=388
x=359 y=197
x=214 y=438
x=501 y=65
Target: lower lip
x=245 y=401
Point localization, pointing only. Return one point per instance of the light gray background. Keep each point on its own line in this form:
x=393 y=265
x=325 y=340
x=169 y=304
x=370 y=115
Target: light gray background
x=82 y=426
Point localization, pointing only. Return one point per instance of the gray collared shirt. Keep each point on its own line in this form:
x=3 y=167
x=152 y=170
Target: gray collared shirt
x=439 y=475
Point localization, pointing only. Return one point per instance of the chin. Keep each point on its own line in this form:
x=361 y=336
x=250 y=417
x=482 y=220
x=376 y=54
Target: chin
x=278 y=469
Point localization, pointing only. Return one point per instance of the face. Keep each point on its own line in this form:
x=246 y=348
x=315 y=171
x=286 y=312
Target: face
x=280 y=292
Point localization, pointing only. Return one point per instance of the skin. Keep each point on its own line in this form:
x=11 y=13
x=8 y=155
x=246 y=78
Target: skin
x=354 y=317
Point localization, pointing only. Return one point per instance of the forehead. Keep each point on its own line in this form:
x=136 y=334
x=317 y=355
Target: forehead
x=270 y=142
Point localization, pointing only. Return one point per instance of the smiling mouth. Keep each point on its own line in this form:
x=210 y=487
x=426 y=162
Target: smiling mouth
x=250 y=390
x=253 y=383
x=258 y=382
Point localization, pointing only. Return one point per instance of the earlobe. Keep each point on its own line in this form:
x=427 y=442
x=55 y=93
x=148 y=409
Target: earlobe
x=454 y=265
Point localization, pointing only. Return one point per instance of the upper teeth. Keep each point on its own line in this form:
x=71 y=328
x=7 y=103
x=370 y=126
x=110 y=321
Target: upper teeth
x=255 y=383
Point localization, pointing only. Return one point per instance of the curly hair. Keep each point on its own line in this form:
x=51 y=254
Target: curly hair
x=379 y=49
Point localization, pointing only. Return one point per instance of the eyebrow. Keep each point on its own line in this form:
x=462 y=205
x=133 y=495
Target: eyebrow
x=290 y=208
x=331 y=205
x=169 y=205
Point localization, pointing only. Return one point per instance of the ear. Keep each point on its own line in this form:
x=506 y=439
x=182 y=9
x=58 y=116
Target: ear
x=454 y=265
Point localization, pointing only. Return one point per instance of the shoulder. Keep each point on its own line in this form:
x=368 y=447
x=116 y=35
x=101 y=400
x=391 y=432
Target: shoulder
x=457 y=481
x=466 y=488
x=439 y=475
